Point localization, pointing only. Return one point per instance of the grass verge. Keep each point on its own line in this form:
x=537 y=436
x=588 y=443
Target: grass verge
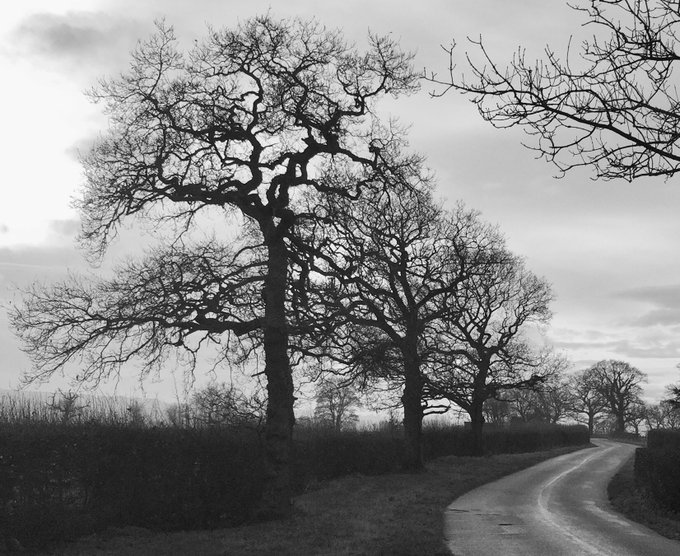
x=396 y=514
x=637 y=506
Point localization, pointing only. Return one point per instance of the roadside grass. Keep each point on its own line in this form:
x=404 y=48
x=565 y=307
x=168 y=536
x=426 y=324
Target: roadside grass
x=637 y=506
x=395 y=514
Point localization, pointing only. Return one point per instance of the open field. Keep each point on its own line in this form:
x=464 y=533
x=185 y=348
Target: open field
x=388 y=514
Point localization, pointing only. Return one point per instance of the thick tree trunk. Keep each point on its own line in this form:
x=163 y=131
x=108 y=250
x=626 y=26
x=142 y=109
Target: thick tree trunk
x=413 y=414
x=276 y=497
x=620 y=422
x=477 y=427
x=591 y=423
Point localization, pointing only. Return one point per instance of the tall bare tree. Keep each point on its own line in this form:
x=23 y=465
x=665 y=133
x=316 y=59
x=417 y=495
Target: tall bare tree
x=241 y=124
x=482 y=351
x=587 y=399
x=618 y=383
x=614 y=109
x=397 y=263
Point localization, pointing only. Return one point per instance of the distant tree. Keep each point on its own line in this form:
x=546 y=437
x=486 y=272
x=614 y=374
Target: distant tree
x=587 y=401
x=136 y=414
x=336 y=404
x=497 y=412
x=179 y=414
x=548 y=402
x=614 y=109
x=637 y=415
x=240 y=127
x=664 y=415
x=222 y=405
x=482 y=352
x=618 y=383
x=553 y=396
x=523 y=405
x=67 y=405
x=673 y=393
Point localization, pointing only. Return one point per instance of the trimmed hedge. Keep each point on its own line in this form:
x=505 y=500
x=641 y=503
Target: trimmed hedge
x=58 y=482
x=663 y=438
x=656 y=467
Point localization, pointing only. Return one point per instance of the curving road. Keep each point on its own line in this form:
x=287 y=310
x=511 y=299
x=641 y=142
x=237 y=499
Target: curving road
x=558 y=507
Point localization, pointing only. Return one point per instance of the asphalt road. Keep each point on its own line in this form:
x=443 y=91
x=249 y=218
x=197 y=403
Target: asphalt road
x=558 y=507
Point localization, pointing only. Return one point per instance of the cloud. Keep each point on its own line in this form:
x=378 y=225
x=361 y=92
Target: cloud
x=4 y=228
x=622 y=343
x=84 y=39
x=664 y=300
x=658 y=295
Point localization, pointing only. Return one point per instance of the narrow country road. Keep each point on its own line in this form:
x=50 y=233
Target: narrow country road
x=558 y=507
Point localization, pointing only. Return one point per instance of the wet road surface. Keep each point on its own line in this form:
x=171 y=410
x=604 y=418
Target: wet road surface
x=558 y=507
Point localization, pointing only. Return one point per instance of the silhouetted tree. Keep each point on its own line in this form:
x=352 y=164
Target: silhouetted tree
x=614 y=109
x=587 y=399
x=482 y=352
x=618 y=383
x=243 y=124
x=554 y=396
x=336 y=404
x=67 y=406
x=497 y=411
x=673 y=393
x=664 y=415
x=636 y=415
x=397 y=264
x=221 y=404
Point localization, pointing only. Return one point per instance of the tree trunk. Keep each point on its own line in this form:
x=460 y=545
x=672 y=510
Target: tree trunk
x=620 y=422
x=413 y=414
x=477 y=426
x=591 y=423
x=276 y=496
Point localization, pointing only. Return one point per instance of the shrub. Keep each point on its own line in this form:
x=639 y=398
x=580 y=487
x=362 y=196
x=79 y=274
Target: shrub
x=656 y=467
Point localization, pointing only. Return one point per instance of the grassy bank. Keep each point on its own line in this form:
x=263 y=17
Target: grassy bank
x=397 y=514
x=637 y=506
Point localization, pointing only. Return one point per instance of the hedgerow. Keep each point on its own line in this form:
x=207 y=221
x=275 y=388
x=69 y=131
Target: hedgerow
x=60 y=481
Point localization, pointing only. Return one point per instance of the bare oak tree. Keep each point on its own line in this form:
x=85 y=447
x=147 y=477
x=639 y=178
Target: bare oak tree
x=336 y=403
x=613 y=109
x=587 y=400
x=397 y=263
x=482 y=351
x=241 y=124
x=618 y=383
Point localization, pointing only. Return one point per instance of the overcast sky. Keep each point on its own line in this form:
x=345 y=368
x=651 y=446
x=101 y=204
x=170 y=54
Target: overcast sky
x=609 y=248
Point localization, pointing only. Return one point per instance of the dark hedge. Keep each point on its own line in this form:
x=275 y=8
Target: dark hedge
x=58 y=482
x=656 y=467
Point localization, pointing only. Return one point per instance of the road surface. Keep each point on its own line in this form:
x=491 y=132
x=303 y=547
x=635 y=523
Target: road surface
x=558 y=507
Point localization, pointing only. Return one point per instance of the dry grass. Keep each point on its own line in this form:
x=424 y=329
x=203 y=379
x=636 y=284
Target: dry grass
x=395 y=514
x=637 y=506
